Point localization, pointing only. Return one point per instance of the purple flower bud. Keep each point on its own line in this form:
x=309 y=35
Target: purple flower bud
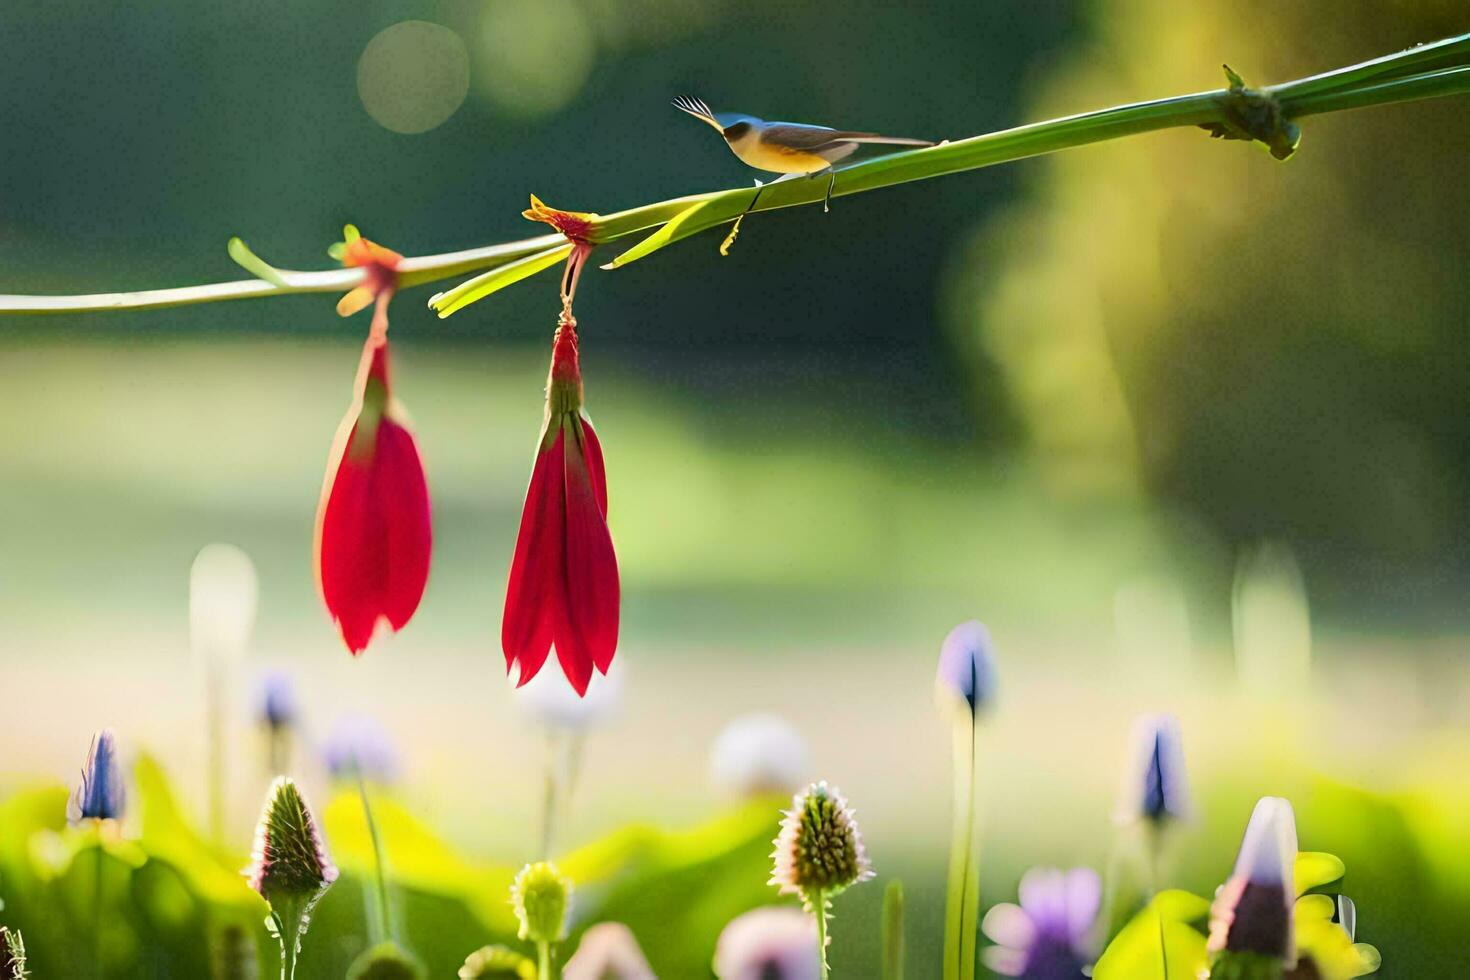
x=277 y=701
x=608 y=951
x=769 y=942
x=358 y=744
x=100 y=795
x=1048 y=936
x=1252 y=913
x=1155 y=787
x=967 y=665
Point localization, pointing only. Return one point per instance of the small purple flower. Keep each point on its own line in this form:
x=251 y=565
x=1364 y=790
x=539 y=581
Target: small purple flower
x=358 y=744
x=1049 y=936
x=277 y=701
x=1155 y=787
x=100 y=795
x=608 y=951
x=967 y=666
x=766 y=943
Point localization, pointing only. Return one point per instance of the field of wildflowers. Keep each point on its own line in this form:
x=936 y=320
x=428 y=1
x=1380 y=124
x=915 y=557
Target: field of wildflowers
x=294 y=750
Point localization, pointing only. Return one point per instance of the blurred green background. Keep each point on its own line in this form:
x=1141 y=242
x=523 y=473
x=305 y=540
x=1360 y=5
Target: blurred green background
x=1072 y=397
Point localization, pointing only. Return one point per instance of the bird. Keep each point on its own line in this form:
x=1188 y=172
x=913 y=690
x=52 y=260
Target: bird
x=789 y=149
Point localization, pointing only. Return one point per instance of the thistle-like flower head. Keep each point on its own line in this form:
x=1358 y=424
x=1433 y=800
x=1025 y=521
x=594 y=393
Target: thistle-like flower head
x=100 y=795
x=1155 y=787
x=820 y=848
x=289 y=860
x=541 y=898
x=496 y=962
x=1252 y=913
x=12 y=955
x=966 y=667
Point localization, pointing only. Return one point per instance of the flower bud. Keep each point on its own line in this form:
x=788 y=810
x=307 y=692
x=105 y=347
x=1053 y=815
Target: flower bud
x=223 y=590
x=966 y=667
x=497 y=962
x=289 y=859
x=100 y=795
x=385 y=961
x=769 y=942
x=758 y=754
x=1155 y=788
x=608 y=951
x=1252 y=913
x=819 y=850
x=541 y=898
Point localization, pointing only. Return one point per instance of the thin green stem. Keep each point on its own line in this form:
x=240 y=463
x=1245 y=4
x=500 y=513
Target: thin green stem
x=550 y=797
x=97 y=906
x=1427 y=71
x=961 y=844
x=381 y=923
x=819 y=908
x=543 y=960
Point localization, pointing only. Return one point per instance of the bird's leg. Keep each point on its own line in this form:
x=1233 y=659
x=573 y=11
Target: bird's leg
x=831 y=171
x=735 y=229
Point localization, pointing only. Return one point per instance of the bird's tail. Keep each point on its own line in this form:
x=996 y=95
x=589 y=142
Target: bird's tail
x=895 y=140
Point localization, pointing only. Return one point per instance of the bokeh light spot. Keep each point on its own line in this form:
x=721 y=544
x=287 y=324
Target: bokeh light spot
x=413 y=76
x=534 y=55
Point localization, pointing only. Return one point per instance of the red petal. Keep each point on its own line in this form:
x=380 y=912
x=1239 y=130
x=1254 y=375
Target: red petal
x=591 y=564
x=374 y=531
x=536 y=589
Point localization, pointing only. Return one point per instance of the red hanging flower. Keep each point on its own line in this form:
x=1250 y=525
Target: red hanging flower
x=563 y=590
x=373 y=530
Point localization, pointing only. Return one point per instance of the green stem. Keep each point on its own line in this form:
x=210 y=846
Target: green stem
x=97 y=907
x=549 y=797
x=1427 y=71
x=381 y=924
x=543 y=961
x=819 y=907
x=961 y=845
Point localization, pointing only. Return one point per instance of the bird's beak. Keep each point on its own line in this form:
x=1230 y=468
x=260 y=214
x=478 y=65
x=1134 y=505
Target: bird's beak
x=698 y=109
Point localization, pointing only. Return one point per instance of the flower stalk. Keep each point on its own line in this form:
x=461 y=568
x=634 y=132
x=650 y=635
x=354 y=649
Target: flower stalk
x=1434 y=70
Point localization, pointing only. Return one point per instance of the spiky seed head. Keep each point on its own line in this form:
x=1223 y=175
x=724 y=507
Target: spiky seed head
x=541 y=897
x=12 y=955
x=289 y=859
x=385 y=961
x=496 y=962
x=820 y=848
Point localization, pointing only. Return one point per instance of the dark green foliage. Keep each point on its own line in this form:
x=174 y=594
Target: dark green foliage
x=386 y=961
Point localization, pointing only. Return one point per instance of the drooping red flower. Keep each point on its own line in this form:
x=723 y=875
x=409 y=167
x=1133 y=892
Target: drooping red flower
x=373 y=529
x=563 y=590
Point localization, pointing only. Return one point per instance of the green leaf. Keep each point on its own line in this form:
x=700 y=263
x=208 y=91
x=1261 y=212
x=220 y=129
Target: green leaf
x=254 y=264
x=1315 y=869
x=1159 y=943
x=476 y=289
x=673 y=230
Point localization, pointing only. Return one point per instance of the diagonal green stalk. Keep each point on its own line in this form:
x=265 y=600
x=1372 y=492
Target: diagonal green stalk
x=380 y=921
x=819 y=907
x=1428 y=71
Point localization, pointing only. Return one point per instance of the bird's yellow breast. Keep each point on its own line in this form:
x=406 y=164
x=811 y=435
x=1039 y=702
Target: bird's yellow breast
x=776 y=159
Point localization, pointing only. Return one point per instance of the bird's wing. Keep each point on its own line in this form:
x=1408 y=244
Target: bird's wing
x=799 y=136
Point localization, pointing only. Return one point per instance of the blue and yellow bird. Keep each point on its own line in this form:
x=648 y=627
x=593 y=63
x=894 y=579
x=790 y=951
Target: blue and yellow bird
x=789 y=149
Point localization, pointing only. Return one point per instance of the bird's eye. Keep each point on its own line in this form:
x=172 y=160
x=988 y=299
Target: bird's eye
x=736 y=131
